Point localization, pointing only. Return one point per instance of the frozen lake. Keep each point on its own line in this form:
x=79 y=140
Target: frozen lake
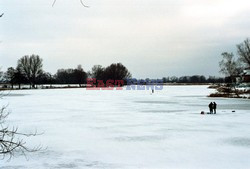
x=130 y=129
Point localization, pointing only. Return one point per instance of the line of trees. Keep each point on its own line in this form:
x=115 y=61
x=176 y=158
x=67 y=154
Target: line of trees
x=193 y=79
x=29 y=70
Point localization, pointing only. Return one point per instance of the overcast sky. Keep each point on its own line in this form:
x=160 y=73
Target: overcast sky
x=152 y=38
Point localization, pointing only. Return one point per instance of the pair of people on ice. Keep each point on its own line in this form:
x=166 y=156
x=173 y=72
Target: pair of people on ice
x=212 y=107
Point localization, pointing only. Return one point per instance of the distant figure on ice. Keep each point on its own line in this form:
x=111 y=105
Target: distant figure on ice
x=211 y=106
x=153 y=91
x=214 y=107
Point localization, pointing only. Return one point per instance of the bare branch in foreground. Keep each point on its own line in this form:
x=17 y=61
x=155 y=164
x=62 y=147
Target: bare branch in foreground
x=11 y=140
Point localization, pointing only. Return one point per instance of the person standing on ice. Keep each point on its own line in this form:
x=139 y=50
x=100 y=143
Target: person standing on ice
x=214 y=107
x=211 y=107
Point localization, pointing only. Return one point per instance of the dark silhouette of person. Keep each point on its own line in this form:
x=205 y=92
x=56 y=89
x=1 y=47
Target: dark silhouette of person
x=211 y=105
x=153 y=91
x=214 y=107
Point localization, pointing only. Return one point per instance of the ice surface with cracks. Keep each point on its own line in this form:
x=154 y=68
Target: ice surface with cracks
x=131 y=129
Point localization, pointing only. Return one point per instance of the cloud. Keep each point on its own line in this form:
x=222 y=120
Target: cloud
x=153 y=38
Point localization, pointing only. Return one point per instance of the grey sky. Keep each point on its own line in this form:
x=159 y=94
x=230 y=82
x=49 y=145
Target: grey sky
x=152 y=38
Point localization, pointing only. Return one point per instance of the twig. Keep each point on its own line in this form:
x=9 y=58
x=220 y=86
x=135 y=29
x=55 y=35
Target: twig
x=80 y=1
x=53 y=3
x=84 y=4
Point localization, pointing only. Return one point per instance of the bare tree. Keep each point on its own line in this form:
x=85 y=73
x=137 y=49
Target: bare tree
x=97 y=72
x=244 y=52
x=80 y=75
x=31 y=66
x=229 y=66
x=117 y=71
x=10 y=76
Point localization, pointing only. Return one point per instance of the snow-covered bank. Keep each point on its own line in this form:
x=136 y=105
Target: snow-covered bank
x=131 y=129
x=230 y=92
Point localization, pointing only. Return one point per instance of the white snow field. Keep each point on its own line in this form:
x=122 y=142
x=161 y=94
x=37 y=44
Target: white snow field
x=130 y=129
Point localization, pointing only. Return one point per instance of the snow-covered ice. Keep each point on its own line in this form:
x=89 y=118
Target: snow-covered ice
x=130 y=129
